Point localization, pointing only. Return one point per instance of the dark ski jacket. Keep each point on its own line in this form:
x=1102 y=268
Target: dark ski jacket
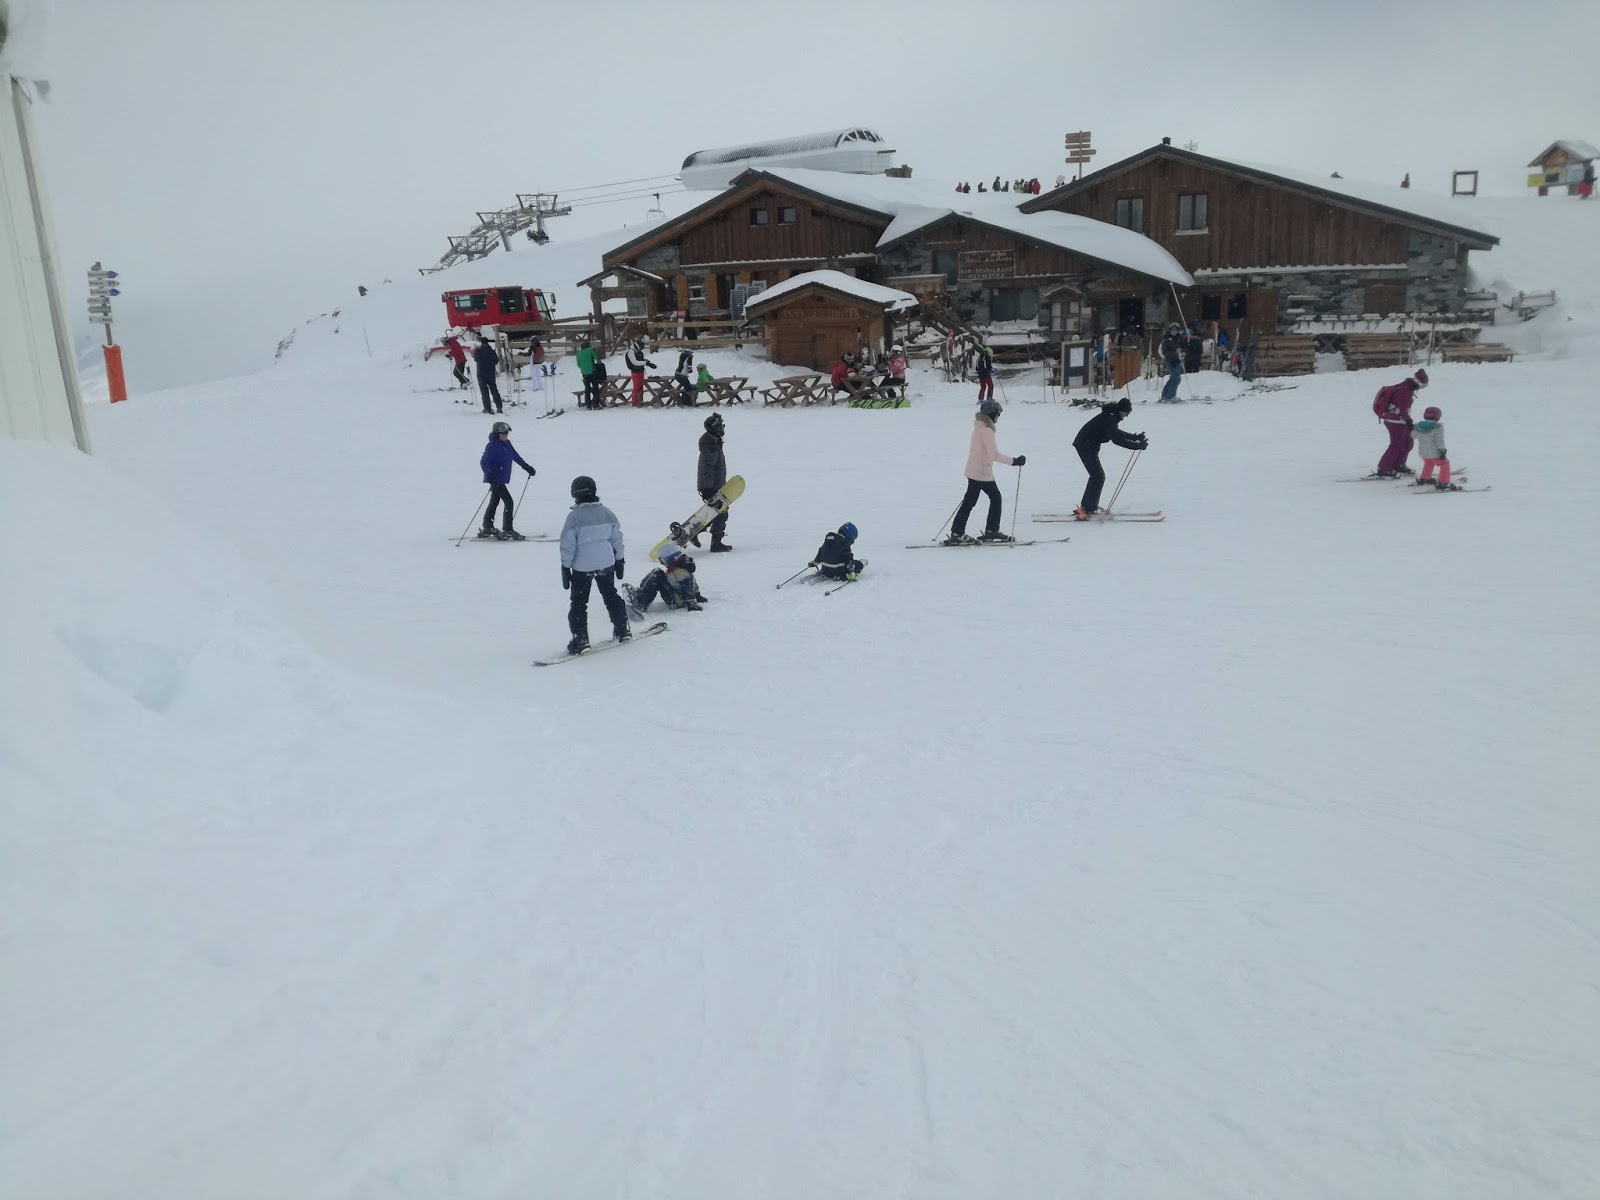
x=484 y=355
x=835 y=556
x=497 y=459
x=713 y=471
x=1100 y=429
x=985 y=364
x=1172 y=348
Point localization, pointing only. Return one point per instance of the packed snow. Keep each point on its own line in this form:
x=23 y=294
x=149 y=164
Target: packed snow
x=1249 y=854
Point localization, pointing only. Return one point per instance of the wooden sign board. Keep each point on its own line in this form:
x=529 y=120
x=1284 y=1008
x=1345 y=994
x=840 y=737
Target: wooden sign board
x=986 y=264
x=821 y=315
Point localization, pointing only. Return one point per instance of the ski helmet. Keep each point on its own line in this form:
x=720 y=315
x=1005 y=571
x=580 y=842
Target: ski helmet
x=1123 y=405
x=1431 y=414
x=501 y=427
x=585 y=488
x=848 y=531
x=990 y=409
x=714 y=422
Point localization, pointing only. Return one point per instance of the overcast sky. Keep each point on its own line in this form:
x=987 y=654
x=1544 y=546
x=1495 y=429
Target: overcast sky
x=246 y=163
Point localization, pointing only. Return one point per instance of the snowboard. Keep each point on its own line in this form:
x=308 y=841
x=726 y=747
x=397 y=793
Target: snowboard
x=688 y=530
x=658 y=627
x=1102 y=517
x=990 y=545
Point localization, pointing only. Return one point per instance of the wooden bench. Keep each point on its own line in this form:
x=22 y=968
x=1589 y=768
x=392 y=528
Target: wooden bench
x=1285 y=354
x=618 y=390
x=1528 y=305
x=1483 y=352
x=1362 y=350
x=799 y=389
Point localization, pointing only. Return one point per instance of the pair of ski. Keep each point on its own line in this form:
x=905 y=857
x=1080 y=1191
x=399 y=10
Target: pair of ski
x=648 y=631
x=1101 y=517
x=555 y=412
x=1416 y=485
x=544 y=538
x=977 y=544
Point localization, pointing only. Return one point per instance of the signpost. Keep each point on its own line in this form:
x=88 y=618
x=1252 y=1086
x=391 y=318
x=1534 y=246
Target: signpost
x=1078 y=149
x=103 y=285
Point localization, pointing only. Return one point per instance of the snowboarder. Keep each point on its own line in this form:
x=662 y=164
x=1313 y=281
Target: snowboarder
x=1096 y=432
x=486 y=358
x=1392 y=405
x=586 y=361
x=981 y=458
x=637 y=362
x=458 y=356
x=835 y=558
x=1173 y=347
x=1430 y=445
x=985 y=374
x=673 y=581
x=711 y=474
x=496 y=462
x=591 y=554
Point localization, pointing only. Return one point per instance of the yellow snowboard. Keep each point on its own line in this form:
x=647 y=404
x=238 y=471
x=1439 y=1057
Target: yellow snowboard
x=703 y=516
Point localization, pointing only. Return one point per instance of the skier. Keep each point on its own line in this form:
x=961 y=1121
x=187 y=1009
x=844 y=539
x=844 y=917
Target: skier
x=637 y=362
x=685 y=384
x=836 y=558
x=985 y=374
x=1096 y=432
x=1173 y=347
x=591 y=554
x=496 y=462
x=1392 y=405
x=710 y=475
x=1430 y=445
x=673 y=581
x=586 y=361
x=486 y=358
x=458 y=356
x=981 y=458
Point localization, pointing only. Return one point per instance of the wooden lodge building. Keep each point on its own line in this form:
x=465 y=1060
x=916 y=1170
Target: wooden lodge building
x=983 y=262
x=1266 y=245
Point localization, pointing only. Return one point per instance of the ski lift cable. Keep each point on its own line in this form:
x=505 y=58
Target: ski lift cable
x=618 y=183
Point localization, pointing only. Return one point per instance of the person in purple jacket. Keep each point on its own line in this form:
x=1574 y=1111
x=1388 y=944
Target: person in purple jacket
x=496 y=462
x=1392 y=406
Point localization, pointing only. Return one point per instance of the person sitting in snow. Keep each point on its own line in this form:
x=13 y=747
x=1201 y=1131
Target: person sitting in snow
x=835 y=558
x=1430 y=445
x=673 y=581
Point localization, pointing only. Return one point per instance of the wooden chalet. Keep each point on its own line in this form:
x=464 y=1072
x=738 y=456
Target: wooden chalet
x=1267 y=245
x=814 y=317
x=1568 y=164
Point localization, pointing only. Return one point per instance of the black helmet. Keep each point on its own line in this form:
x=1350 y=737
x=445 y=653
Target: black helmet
x=714 y=422
x=990 y=408
x=499 y=428
x=1123 y=405
x=585 y=488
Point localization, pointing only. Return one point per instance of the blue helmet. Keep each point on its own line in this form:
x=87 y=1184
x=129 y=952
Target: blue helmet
x=848 y=531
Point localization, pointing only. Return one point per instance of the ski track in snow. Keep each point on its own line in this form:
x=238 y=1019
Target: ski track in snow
x=1245 y=855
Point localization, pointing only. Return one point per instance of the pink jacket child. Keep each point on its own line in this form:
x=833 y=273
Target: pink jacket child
x=981 y=458
x=1392 y=405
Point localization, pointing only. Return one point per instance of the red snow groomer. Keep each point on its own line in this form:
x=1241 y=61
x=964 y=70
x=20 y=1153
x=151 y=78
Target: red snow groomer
x=473 y=308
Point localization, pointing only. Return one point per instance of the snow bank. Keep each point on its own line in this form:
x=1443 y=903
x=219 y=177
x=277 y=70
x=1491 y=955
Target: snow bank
x=1547 y=243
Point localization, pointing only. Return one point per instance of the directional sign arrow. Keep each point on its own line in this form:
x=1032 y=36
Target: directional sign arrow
x=100 y=289
x=98 y=319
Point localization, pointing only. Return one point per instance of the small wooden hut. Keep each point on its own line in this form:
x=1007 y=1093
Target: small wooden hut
x=1568 y=164
x=813 y=318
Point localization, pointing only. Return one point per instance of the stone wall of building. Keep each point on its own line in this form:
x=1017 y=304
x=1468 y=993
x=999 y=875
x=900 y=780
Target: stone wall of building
x=1436 y=274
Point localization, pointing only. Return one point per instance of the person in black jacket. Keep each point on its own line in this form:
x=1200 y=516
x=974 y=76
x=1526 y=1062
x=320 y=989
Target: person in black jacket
x=711 y=475
x=1096 y=432
x=836 y=557
x=487 y=360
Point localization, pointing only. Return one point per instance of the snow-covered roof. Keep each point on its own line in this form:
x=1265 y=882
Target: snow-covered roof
x=837 y=281
x=1571 y=146
x=826 y=140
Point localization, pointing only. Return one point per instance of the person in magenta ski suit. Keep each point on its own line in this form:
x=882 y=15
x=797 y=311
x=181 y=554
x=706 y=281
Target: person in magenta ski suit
x=1392 y=405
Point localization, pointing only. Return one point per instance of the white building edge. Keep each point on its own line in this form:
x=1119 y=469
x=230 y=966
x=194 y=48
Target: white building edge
x=854 y=151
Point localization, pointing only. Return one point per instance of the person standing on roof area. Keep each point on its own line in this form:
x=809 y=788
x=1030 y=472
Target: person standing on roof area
x=982 y=454
x=985 y=374
x=496 y=462
x=1173 y=347
x=710 y=474
x=458 y=356
x=1392 y=406
x=586 y=361
x=486 y=358
x=995 y=187
x=591 y=555
x=637 y=362
x=1096 y=432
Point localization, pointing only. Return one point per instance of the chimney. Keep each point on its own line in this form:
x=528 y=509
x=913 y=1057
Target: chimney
x=1166 y=141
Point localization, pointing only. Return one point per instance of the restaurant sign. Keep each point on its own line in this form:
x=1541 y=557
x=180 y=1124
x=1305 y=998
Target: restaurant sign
x=986 y=264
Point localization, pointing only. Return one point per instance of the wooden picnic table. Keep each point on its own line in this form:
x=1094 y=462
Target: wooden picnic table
x=618 y=390
x=799 y=389
x=864 y=387
x=733 y=389
x=663 y=389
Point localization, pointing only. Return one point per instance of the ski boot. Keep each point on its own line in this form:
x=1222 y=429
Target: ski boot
x=578 y=644
x=1448 y=487
x=622 y=633
x=1404 y=471
x=511 y=535
x=959 y=539
x=996 y=536
x=1083 y=514
x=486 y=532
x=718 y=546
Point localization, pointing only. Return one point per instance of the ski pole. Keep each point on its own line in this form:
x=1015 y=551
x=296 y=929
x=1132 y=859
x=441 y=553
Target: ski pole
x=797 y=574
x=1016 y=499
x=527 y=479
x=845 y=584
x=475 y=513
x=1126 y=471
x=947 y=521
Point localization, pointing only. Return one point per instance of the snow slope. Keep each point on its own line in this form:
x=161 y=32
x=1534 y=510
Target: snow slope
x=1245 y=855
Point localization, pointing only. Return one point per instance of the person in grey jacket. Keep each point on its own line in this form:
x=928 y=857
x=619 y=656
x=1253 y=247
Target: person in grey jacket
x=591 y=553
x=711 y=475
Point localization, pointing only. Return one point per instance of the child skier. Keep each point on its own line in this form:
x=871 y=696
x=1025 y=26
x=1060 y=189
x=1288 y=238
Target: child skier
x=835 y=558
x=673 y=581
x=591 y=553
x=1096 y=432
x=985 y=374
x=981 y=458
x=1430 y=444
x=496 y=462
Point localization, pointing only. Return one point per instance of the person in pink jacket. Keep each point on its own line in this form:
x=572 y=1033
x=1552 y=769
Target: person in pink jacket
x=980 y=479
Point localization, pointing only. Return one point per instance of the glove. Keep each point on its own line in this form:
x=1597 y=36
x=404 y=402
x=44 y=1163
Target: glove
x=566 y=578
x=851 y=577
x=531 y=472
x=619 y=567
x=812 y=563
x=649 y=364
x=1144 y=442
x=1020 y=460
x=1410 y=424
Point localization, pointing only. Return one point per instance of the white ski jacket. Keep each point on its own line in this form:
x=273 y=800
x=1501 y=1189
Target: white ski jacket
x=1429 y=437
x=591 y=539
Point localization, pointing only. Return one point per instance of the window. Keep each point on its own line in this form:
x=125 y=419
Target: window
x=475 y=302
x=1014 y=304
x=947 y=263
x=1130 y=213
x=788 y=216
x=697 y=293
x=758 y=216
x=1192 y=213
x=1211 y=308
x=1238 y=308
